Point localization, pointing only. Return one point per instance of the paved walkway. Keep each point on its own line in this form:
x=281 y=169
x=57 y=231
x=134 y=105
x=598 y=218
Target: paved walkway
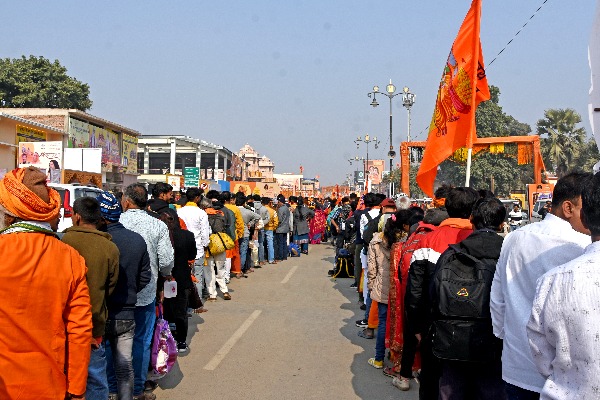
x=288 y=333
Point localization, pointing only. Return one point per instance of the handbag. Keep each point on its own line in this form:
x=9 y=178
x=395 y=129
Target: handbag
x=164 y=348
x=219 y=242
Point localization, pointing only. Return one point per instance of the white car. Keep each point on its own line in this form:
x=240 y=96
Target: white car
x=68 y=194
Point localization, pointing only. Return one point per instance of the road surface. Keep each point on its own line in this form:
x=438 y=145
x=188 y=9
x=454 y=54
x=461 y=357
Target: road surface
x=288 y=333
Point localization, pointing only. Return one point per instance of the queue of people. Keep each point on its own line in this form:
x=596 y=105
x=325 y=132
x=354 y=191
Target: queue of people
x=467 y=311
x=80 y=306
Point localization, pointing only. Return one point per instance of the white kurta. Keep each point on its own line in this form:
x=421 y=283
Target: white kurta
x=564 y=328
x=527 y=254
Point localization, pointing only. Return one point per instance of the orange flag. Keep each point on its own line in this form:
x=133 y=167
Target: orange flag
x=462 y=87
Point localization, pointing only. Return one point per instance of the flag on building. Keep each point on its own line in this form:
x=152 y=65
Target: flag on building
x=462 y=87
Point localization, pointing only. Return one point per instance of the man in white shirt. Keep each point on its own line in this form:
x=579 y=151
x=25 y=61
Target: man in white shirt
x=564 y=327
x=527 y=254
x=196 y=221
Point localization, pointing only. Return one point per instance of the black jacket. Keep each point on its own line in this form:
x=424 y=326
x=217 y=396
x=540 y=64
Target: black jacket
x=134 y=271
x=184 y=246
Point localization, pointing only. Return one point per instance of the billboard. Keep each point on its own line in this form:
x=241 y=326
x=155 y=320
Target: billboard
x=46 y=156
x=79 y=134
x=375 y=171
x=129 y=158
x=26 y=134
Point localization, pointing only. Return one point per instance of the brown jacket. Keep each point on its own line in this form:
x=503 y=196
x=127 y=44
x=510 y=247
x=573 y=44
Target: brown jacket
x=102 y=260
x=378 y=273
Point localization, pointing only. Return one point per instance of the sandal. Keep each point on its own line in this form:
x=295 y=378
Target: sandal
x=391 y=372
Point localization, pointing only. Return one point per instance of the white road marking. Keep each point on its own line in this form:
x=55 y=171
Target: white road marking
x=289 y=275
x=223 y=351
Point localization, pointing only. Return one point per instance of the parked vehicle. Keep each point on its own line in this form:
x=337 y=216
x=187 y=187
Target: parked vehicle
x=68 y=194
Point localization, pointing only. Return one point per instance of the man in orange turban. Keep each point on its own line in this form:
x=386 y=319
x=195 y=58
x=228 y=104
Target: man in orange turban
x=45 y=310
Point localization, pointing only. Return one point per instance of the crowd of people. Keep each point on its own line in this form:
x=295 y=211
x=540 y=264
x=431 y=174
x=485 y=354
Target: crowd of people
x=81 y=305
x=461 y=307
x=466 y=309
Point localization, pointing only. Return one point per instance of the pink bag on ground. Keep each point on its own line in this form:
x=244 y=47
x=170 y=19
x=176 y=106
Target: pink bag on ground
x=164 y=348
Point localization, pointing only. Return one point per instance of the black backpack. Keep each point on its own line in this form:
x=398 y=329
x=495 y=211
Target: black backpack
x=371 y=228
x=462 y=323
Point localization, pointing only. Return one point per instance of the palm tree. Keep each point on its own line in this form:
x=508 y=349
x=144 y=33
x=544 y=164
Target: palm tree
x=564 y=140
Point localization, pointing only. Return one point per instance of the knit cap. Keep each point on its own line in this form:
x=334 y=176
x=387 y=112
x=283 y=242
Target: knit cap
x=110 y=208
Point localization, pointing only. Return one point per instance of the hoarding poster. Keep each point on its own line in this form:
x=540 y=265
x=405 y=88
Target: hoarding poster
x=46 y=156
x=129 y=159
x=191 y=176
x=79 y=134
x=375 y=170
x=26 y=134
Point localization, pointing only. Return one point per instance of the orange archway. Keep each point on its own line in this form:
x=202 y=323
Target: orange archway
x=478 y=145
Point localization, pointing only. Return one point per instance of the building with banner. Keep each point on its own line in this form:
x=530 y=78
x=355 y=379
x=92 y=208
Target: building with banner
x=117 y=144
x=194 y=159
x=15 y=130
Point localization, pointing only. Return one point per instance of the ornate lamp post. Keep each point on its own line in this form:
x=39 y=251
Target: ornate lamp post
x=350 y=160
x=390 y=93
x=408 y=99
x=367 y=139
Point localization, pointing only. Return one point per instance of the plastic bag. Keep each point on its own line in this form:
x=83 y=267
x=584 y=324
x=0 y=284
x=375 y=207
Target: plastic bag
x=164 y=348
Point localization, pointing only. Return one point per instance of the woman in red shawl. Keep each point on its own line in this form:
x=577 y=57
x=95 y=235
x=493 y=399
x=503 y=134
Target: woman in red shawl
x=317 y=225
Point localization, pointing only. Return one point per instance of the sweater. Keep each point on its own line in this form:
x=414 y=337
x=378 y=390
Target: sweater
x=160 y=250
x=283 y=214
x=134 y=271
x=101 y=257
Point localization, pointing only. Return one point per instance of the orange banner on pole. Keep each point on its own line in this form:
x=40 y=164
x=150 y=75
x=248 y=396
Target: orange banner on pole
x=462 y=87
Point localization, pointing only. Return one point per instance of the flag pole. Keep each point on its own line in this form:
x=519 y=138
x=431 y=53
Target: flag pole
x=474 y=93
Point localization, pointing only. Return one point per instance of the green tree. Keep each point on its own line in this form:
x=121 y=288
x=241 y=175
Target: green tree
x=39 y=83
x=563 y=140
x=588 y=156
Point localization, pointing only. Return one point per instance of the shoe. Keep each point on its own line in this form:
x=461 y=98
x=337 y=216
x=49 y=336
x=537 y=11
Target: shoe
x=145 y=396
x=181 y=348
x=376 y=364
x=212 y=299
x=331 y=272
x=362 y=323
x=363 y=307
x=366 y=333
x=353 y=285
x=226 y=296
x=401 y=383
x=149 y=386
x=257 y=266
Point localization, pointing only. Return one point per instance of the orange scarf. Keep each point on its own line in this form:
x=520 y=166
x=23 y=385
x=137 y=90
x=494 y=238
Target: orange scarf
x=18 y=200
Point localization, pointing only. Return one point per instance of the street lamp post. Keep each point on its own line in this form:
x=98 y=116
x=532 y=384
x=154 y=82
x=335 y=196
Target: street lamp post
x=408 y=99
x=356 y=158
x=390 y=89
x=367 y=139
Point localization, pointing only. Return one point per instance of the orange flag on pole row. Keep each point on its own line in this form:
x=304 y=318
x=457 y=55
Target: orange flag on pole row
x=462 y=87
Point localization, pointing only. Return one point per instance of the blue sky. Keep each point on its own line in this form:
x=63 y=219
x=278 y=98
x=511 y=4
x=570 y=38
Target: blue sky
x=291 y=77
